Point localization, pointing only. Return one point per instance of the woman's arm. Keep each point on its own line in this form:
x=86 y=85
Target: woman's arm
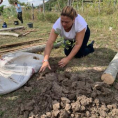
x=78 y=44
x=48 y=49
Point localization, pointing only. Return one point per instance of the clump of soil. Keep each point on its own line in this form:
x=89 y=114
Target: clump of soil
x=66 y=95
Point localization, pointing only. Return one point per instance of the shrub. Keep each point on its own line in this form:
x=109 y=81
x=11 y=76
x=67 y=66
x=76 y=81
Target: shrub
x=48 y=16
x=41 y=17
x=51 y=17
x=27 y=14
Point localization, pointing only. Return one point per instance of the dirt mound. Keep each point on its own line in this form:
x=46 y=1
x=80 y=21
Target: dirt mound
x=66 y=95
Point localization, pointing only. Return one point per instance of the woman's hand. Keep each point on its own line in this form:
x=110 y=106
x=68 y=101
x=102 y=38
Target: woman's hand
x=63 y=62
x=44 y=66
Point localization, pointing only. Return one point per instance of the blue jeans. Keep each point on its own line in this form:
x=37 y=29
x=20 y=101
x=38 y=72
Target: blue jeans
x=84 y=50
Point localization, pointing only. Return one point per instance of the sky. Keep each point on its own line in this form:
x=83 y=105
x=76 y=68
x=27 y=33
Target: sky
x=35 y=2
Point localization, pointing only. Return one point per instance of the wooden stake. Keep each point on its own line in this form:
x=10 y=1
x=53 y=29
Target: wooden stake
x=9 y=34
x=12 y=28
x=18 y=44
x=110 y=73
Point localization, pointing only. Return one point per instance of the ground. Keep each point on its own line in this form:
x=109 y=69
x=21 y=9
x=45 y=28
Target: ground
x=75 y=91
x=63 y=93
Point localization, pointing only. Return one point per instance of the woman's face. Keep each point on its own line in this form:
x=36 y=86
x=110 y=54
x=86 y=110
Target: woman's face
x=66 y=22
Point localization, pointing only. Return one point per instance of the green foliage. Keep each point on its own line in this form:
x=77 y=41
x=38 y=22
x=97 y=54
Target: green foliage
x=66 y=43
x=51 y=17
x=48 y=16
x=27 y=14
x=12 y=1
x=41 y=17
x=107 y=7
x=28 y=6
x=1 y=9
x=9 y=13
x=51 y=4
x=22 y=3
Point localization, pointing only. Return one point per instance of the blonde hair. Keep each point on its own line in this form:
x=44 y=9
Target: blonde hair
x=69 y=11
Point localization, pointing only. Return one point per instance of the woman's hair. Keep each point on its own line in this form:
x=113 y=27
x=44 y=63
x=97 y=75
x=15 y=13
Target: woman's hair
x=69 y=11
x=15 y=2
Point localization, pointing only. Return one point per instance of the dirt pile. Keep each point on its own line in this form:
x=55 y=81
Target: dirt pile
x=69 y=95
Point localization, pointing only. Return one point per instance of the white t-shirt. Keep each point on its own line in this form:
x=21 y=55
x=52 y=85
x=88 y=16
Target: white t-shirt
x=78 y=26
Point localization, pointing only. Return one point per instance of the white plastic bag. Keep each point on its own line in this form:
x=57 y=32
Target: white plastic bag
x=16 y=69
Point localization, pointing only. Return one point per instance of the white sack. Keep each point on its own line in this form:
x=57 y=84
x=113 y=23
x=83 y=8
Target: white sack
x=16 y=69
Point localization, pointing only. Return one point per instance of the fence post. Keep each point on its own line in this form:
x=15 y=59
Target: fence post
x=77 y=4
x=72 y=3
x=82 y=5
x=99 y=7
x=115 y=4
x=43 y=6
x=59 y=5
x=69 y=3
x=32 y=12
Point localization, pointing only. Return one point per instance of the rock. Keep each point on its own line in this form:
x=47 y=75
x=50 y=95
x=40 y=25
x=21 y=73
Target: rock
x=56 y=105
x=63 y=114
x=27 y=89
x=67 y=107
x=55 y=113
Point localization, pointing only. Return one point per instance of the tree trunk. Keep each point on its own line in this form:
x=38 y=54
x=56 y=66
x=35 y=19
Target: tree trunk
x=20 y=43
x=99 y=6
x=110 y=73
x=59 y=5
x=12 y=28
x=69 y=3
x=41 y=48
x=9 y=34
x=32 y=11
x=82 y=5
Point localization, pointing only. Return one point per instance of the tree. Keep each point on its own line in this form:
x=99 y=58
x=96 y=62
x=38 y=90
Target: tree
x=1 y=9
x=69 y=2
x=12 y=1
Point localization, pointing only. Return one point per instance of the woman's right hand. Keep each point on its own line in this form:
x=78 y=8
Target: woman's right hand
x=44 y=66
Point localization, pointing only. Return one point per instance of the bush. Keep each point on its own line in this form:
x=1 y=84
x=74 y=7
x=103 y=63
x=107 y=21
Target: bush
x=49 y=16
x=9 y=12
x=41 y=17
x=27 y=14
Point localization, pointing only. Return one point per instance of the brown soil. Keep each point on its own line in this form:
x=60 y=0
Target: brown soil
x=68 y=95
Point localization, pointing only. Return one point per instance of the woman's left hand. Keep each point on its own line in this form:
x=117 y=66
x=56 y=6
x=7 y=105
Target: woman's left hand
x=63 y=62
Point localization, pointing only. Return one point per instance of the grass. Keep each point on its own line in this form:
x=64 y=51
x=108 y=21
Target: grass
x=92 y=66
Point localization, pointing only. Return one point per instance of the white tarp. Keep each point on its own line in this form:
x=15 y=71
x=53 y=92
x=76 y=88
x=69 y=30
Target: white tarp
x=16 y=69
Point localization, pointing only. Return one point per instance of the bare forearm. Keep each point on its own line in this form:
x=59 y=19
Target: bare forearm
x=47 y=50
x=74 y=51
x=78 y=44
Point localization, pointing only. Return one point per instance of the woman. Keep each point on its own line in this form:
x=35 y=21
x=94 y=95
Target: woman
x=75 y=31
